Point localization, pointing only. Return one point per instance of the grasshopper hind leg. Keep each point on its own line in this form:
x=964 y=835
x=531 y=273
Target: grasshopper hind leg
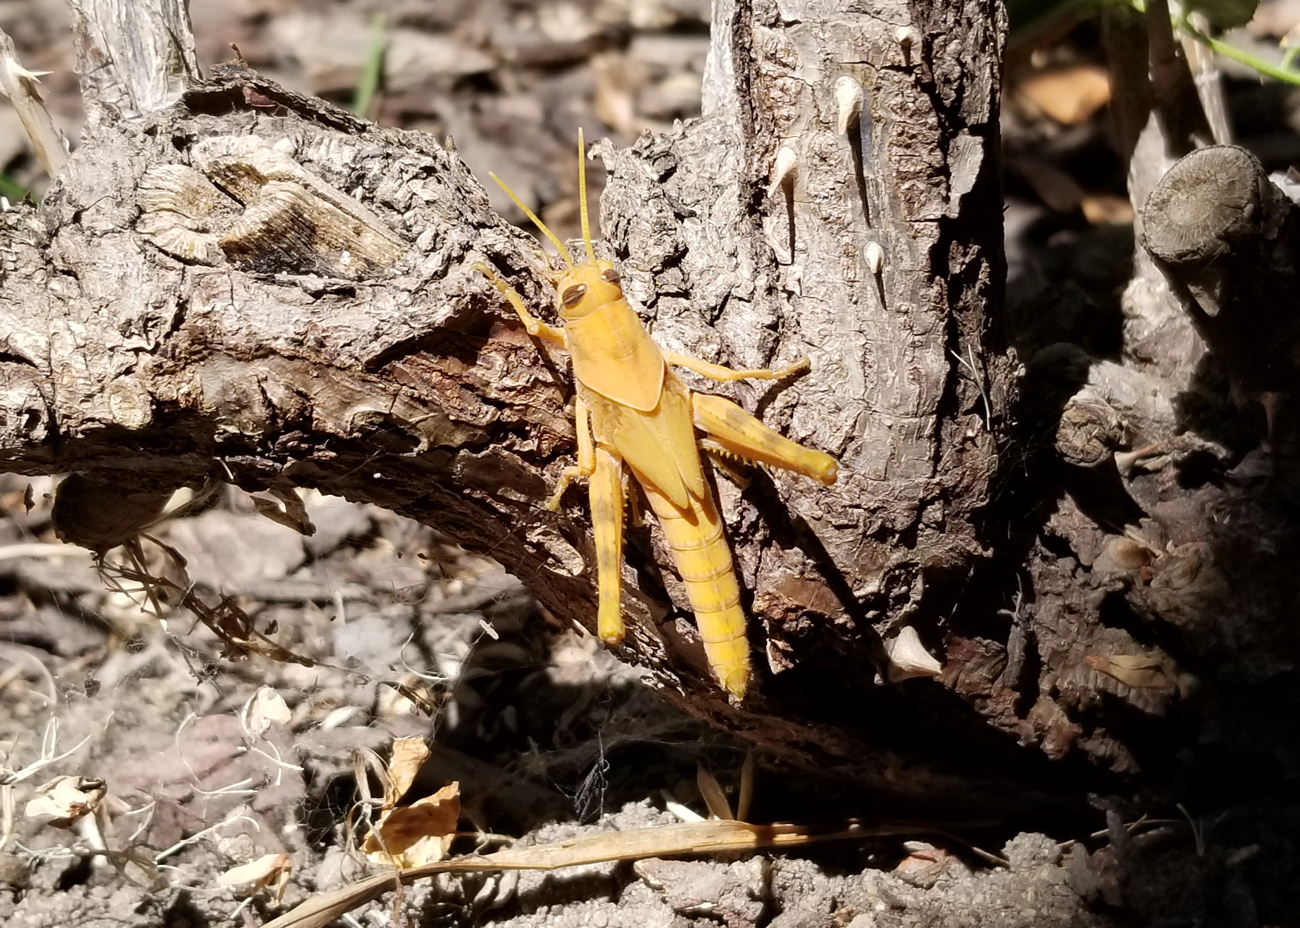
x=725 y=461
x=739 y=433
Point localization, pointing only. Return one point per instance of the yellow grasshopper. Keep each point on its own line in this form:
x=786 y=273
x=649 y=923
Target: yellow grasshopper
x=632 y=410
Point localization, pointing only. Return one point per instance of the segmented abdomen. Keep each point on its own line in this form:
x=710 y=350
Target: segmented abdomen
x=704 y=561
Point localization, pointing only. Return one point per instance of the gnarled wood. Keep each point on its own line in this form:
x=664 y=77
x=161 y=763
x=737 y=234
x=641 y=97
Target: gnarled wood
x=252 y=286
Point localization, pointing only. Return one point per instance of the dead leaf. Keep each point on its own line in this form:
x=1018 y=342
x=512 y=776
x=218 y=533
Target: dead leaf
x=1136 y=670
x=418 y=834
x=908 y=657
x=257 y=875
x=286 y=508
x=1105 y=209
x=409 y=755
x=715 y=798
x=1068 y=96
x=63 y=800
x=264 y=708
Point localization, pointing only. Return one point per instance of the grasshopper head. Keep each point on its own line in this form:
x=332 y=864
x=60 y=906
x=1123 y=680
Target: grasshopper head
x=586 y=286
x=582 y=286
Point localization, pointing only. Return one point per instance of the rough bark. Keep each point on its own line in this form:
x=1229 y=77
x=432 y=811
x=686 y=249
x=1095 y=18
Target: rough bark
x=1162 y=585
x=252 y=286
x=1155 y=623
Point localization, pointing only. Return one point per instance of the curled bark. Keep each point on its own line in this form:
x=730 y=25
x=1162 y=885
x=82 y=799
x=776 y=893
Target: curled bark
x=1226 y=239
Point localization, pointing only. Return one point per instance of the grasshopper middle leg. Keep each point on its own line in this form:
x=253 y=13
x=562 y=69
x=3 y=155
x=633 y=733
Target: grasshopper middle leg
x=726 y=374
x=606 y=490
x=586 y=465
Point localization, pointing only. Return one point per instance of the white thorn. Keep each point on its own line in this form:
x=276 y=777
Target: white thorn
x=908 y=657
x=17 y=71
x=787 y=163
x=907 y=36
x=848 y=102
x=875 y=256
x=794 y=279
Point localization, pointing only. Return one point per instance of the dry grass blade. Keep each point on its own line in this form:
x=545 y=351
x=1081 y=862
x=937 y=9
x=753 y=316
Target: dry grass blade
x=715 y=798
x=688 y=838
x=745 y=798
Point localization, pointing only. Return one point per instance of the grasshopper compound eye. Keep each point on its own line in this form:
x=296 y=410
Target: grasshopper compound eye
x=573 y=295
x=610 y=276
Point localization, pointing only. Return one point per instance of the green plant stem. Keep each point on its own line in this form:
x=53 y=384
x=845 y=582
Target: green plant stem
x=1219 y=47
x=11 y=190
x=373 y=71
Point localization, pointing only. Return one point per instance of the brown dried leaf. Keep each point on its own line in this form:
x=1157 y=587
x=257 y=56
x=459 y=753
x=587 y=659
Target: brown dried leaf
x=258 y=872
x=269 y=870
x=1068 y=95
x=102 y=514
x=418 y=834
x=286 y=508
x=1136 y=670
x=1105 y=209
x=715 y=798
x=409 y=755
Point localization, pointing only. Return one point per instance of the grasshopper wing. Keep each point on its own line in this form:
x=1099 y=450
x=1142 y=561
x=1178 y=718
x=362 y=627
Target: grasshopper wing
x=657 y=446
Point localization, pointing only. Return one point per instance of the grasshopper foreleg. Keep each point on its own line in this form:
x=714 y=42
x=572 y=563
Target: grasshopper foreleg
x=535 y=327
x=741 y=434
x=586 y=465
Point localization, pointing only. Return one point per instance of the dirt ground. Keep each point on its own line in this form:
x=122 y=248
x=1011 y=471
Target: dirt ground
x=541 y=728
x=382 y=630
x=407 y=636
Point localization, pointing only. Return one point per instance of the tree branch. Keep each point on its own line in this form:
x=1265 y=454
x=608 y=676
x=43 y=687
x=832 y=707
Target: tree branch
x=255 y=286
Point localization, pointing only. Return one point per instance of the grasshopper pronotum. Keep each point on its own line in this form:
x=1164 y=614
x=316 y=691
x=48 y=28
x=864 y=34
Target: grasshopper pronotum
x=632 y=410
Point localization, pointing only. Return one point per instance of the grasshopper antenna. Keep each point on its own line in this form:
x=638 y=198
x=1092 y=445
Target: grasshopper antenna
x=555 y=240
x=582 y=199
